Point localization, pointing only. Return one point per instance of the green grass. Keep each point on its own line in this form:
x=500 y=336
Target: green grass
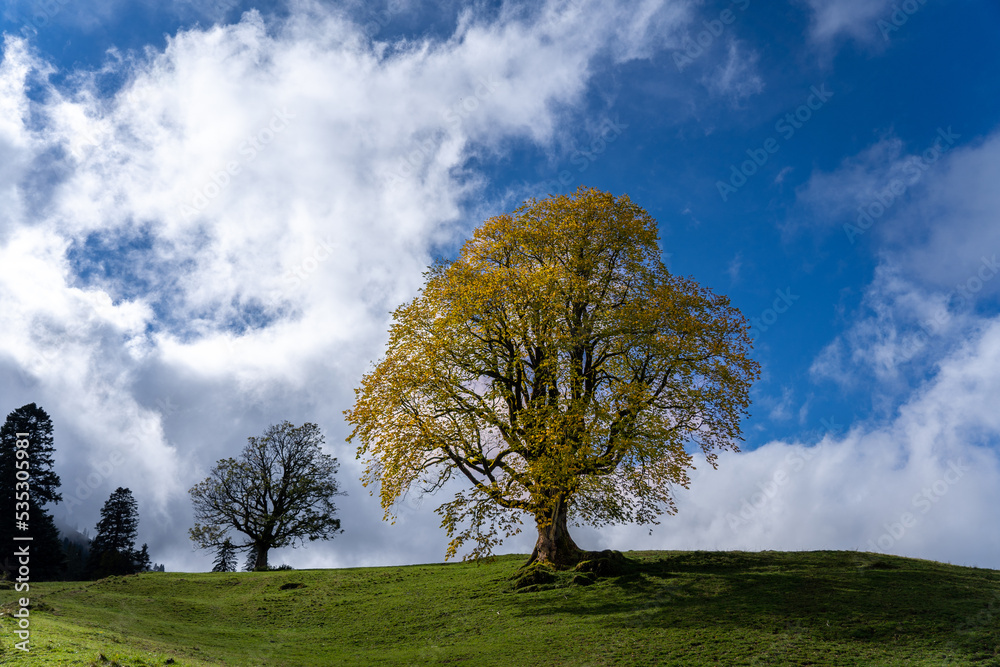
x=671 y=608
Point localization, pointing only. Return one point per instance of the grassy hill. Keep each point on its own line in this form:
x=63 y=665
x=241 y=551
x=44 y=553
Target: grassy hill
x=670 y=608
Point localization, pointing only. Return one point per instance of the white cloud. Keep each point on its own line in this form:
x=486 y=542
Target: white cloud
x=736 y=78
x=734 y=267
x=929 y=210
x=781 y=410
x=898 y=332
x=942 y=236
x=925 y=345
x=221 y=241
x=854 y=18
x=930 y=216
x=868 y=188
x=16 y=142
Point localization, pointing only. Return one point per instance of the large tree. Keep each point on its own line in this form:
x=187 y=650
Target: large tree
x=560 y=369
x=277 y=493
x=113 y=550
x=28 y=494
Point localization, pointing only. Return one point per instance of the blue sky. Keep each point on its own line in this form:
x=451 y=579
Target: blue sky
x=208 y=209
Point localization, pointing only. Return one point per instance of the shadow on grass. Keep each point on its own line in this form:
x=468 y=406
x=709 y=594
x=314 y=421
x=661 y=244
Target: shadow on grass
x=820 y=597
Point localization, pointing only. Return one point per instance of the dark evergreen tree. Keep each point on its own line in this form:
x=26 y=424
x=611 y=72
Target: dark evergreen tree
x=48 y=562
x=34 y=421
x=27 y=495
x=113 y=550
x=251 y=563
x=141 y=562
x=76 y=557
x=225 y=557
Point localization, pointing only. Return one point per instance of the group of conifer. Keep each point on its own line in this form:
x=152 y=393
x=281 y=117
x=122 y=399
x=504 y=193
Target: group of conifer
x=28 y=485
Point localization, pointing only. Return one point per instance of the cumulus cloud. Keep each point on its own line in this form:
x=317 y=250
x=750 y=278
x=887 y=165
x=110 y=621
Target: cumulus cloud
x=895 y=336
x=216 y=245
x=945 y=235
x=930 y=216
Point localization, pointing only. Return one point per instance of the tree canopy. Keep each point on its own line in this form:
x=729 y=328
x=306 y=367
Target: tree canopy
x=279 y=492
x=561 y=370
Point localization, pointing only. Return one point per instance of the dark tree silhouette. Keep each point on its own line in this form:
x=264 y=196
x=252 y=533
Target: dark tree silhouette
x=113 y=550
x=27 y=484
x=76 y=550
x=34 y=421
x=278 y=493
x=225 y=557
x=141 y=562
x=251 y=564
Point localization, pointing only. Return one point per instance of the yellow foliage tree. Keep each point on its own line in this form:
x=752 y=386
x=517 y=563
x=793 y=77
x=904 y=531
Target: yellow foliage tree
x=561 y=369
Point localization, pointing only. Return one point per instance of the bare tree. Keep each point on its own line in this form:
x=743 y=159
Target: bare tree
x=277 y=493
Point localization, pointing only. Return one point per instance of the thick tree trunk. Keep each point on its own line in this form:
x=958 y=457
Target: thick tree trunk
x=261 y=564
x=554 y=545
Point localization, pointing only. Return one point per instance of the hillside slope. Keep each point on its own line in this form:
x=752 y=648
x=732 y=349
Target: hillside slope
x=672 y=608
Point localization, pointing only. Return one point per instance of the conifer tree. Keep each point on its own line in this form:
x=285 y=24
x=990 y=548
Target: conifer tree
x=27 y=484
x=113 y=550
x=225 y=557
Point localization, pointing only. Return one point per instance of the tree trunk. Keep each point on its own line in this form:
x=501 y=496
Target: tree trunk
x=554 y=545
x=261 y=564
